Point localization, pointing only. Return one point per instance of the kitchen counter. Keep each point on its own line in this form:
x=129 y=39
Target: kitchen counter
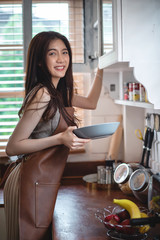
x=74 y=216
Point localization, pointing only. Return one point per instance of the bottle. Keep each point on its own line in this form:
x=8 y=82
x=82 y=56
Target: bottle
x=135 y=92
x=141 y=93
x=125 y=90
x=109 y=171
x=130 y=91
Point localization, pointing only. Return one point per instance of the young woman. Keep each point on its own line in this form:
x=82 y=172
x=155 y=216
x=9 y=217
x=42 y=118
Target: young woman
x=43 y=136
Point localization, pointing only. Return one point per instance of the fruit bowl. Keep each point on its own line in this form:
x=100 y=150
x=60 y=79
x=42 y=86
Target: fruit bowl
x=119 y=229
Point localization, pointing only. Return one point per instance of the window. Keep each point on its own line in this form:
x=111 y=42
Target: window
x=64 y=16
x=107 y=26
x=11 y=69
x=67 y=19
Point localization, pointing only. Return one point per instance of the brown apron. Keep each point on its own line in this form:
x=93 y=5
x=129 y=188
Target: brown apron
x=39 y=182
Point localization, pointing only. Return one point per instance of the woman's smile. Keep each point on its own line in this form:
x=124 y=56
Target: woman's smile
x=60 y=68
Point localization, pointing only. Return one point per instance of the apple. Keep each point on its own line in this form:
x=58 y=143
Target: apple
x=110 y=221
x=116 y=218
x=125 y=222
x=123 y=214
x=126 y=227
x=108 y=217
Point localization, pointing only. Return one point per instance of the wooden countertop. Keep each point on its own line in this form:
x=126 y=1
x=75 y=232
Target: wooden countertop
x=74 y=216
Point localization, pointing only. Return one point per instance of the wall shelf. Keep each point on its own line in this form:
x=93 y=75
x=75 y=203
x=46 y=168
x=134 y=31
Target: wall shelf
x=134 y=104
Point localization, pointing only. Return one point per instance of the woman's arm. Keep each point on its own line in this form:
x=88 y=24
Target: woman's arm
x=19 y=142
x=90 y=102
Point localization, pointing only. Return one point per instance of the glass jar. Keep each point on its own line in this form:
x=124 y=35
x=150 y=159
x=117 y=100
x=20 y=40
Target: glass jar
x=139 y=184
x=154 y=193
x=121 y=177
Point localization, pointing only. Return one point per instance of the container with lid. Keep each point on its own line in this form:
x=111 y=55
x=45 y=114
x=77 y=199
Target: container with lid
x=139 y=183
x=125 y=90
x=109 y=171
x=135 y=91
x=121 y=176
x=130 y=91
x=154 y=193
x=141 y=93
x=122 y=173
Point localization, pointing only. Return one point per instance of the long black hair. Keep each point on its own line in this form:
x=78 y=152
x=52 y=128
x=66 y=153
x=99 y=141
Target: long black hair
x=38 y=76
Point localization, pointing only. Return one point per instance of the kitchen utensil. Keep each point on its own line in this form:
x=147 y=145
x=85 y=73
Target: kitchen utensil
x=157 y=122
x=96 y=131
x=138 y=134
x=152 y=221
x=145 y=146
x=154 y=146
x=149 y=145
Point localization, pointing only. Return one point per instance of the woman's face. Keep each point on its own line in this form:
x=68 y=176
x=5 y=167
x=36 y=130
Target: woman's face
x=57 y=60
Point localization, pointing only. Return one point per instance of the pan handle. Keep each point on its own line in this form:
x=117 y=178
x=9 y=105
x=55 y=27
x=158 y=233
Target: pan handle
x=152 y=221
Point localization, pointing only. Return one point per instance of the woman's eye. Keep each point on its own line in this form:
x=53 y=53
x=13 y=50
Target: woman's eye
x=52 y=53
x=66 y=52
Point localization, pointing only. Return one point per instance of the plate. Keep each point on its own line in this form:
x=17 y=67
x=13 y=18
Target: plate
x=90 y=178
x=96 y=131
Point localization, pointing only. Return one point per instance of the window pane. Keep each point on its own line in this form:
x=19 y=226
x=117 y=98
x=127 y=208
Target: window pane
x=11 y=69
x=107 y=26
x=65 y=17
x=11 y=24
x=45 y=20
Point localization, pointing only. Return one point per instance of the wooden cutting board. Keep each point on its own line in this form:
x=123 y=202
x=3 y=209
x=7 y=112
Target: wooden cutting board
x=115 y=142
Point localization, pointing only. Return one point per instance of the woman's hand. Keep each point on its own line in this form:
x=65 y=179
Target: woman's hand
x=69 y=139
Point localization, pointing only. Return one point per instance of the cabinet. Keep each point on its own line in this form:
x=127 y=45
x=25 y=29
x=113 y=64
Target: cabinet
x=133 y=112
x=136 y=44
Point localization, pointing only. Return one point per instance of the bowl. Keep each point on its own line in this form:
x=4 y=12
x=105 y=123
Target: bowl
x=96 y=131
x=118 y=230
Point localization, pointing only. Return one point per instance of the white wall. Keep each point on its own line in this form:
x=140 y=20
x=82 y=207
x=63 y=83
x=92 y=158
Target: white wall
x=106 y=111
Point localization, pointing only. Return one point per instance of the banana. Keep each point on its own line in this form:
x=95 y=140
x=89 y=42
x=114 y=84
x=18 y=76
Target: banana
x=144 y=228
x=130 y=206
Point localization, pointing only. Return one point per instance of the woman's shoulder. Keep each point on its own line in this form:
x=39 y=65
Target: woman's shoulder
x=42 y=95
